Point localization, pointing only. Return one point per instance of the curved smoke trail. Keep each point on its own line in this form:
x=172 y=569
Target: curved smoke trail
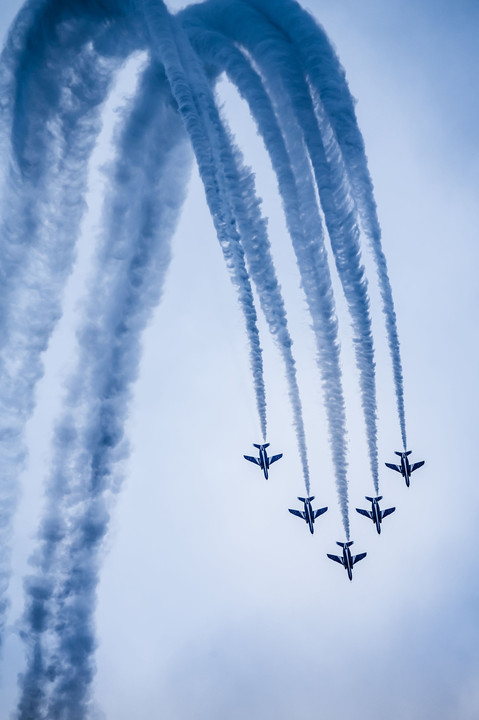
x=255 y=242
x=42 y=206
x=191 y=91
x=302 y=216
x=149 y=182
x=272 y=52
x=328 y=79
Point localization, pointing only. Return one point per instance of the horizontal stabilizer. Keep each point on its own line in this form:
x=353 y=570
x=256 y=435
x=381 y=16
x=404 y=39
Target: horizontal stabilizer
x=366 y=513
x=252 y=459
x=417 y=465
x=359 y=557
x=298 y=513
x=393 y=467
x=319 y=512
x=378 y=498
x=346 y=544
x=335 y=558
x=274 y=458
x=408 y=452
x=304 y=499
x=261 y=446
x=387 y=512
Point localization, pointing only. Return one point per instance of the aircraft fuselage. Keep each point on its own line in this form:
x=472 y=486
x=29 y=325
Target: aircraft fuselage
x=264 y=461
x=376 y=515
x=308 y=511
x=405 y=469
x=348 y=562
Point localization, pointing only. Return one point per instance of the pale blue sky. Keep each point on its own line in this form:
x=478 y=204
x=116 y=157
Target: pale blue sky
x=214 y=602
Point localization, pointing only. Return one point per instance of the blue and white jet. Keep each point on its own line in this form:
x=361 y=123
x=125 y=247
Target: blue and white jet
x=347 y=560
x=405 y=468
x=308 y=514
x=375 y=514
x=263 y=460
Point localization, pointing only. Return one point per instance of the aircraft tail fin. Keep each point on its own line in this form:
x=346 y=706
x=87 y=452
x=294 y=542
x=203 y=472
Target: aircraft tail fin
x=261 y=446
x=304 y=499
x=346 y=544
x=407 y=452
x=378 y=498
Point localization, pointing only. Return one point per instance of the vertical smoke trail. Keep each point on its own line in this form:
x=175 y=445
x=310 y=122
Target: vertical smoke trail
x=285 y=80
x=149 y=181
x=344 y=234
x=46 y=172
x=193 y=95
x=256 y=245
x=303 y=222
x=328 y=79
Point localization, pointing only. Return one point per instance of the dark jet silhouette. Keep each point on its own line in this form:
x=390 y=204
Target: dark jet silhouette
x=405 y=468
x=347 y=560
x=263 y=460
x=308 y=514
x=375 y=514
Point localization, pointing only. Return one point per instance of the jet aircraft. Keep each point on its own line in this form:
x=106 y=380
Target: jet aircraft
x=375 y=514
x=263 y=460
x=309 y=515
x=347 y=560
x=405 y=468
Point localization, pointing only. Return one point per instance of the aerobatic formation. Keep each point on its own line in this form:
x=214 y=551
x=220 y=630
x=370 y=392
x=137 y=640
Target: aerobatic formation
x=57 y=70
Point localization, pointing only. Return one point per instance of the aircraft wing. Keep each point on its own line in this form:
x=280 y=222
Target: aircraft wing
x=387 y=512
x=417 y=465
x=252 y=459
x=366 y=513
x=393 y=467
x=335 y=558
x=274 y=458
x=319 y=512
x=359 y=557
x=298 y=513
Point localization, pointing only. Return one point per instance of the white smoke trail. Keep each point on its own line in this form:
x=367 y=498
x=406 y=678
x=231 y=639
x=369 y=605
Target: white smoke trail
x=302 y=218
x=193 y=95
x=52 y=137
x=328 y=80
x=301 y=207
x=148 y=185
x=285 y=79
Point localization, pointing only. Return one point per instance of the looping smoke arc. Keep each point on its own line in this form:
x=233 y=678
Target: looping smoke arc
x=56 y=72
